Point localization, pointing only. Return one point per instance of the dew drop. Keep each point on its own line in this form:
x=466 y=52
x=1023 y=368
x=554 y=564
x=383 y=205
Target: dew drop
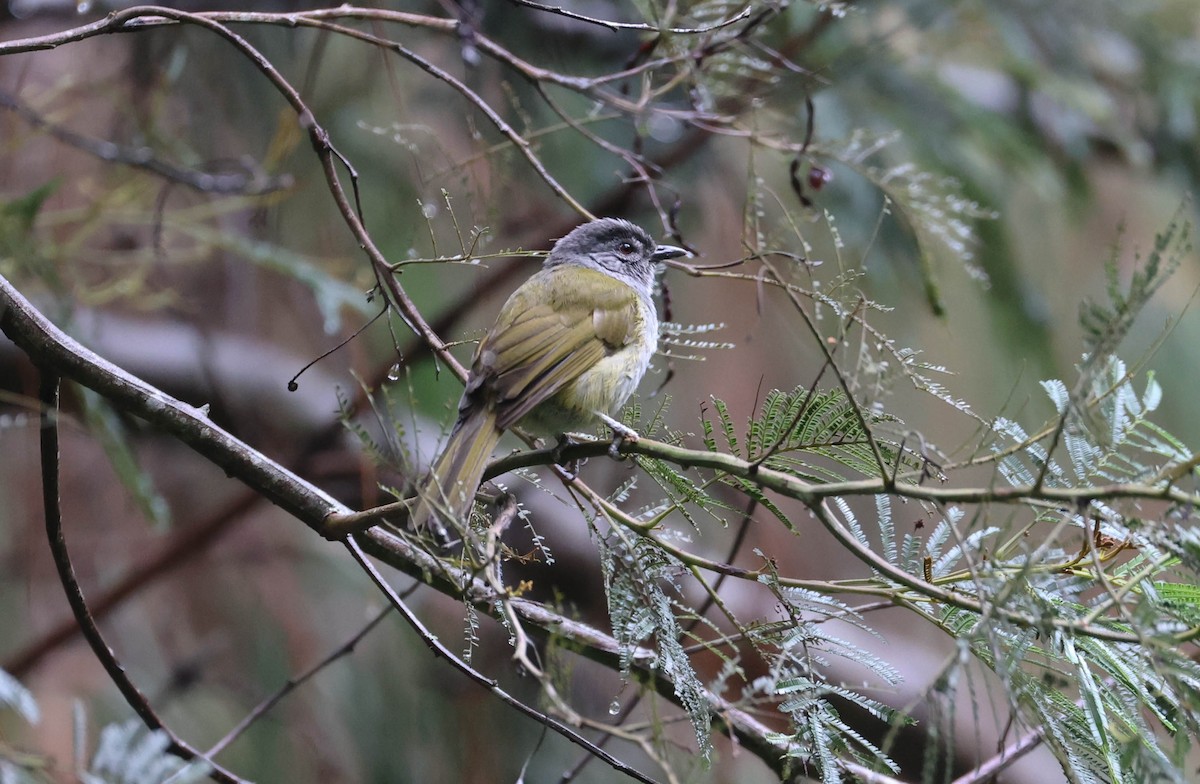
x=394 y=372
x=614 y=707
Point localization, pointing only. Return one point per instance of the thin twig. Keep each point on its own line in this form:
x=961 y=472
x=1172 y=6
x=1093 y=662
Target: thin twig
x=440 y=649
x=818 y=340
x=292 y=684
x=807 y=402
x=650 y=28
x=521 y=143
x=988 y=770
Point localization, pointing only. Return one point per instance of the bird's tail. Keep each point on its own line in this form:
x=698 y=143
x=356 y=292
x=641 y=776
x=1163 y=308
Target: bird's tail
x=445 y=496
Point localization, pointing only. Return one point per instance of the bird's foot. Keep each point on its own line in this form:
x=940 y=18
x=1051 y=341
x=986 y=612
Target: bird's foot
x=570 y=467
x=621 y=434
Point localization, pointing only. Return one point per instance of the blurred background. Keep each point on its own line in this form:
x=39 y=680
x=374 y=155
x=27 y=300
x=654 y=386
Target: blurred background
x=971 y=168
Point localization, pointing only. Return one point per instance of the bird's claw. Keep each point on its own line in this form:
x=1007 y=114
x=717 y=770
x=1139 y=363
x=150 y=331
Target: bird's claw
x=622 y=434
x=570 y=468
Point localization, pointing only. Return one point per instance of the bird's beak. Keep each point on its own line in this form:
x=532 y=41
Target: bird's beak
x=664 y=252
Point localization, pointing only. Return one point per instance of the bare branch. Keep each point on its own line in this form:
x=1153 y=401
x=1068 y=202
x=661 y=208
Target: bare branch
x=48 y=394
x=988 y=770
x=260 y=710
x=250 y=182
x=650 y=28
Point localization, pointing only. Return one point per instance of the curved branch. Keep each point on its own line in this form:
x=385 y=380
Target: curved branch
x=49 y=347
x=182 y=545
x=48 y=394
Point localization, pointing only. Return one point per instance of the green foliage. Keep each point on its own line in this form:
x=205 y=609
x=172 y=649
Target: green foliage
x=20 y=245
x=815 y=435
x=1106 y=325
x=1104 y=732
x=638 y=580
x=1060 y=591
x=384 y=452
x=798 y=651
x=1101 y=703
x=1182 y=599
x=1107 y=436
x=106 y=424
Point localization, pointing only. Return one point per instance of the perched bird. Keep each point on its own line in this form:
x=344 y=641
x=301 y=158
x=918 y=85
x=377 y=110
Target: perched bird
x=569 y=347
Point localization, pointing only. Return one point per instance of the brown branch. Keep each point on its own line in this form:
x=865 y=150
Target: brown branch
x=48 y=394
x=988 y=770
x=51 y=348
x=650 y=28
x=252 y=182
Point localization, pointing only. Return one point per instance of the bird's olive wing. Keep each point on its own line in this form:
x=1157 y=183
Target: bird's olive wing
x=560 y=323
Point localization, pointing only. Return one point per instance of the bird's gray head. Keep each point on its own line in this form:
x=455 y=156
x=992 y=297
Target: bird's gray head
x=616 y=247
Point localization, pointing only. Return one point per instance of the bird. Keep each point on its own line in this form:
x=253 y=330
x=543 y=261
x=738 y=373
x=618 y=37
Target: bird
x=568 y=349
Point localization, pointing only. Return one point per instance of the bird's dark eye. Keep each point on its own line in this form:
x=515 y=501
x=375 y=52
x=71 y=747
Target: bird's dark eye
x=626 y=249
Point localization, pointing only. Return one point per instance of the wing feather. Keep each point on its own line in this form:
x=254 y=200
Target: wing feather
x=547 y=335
